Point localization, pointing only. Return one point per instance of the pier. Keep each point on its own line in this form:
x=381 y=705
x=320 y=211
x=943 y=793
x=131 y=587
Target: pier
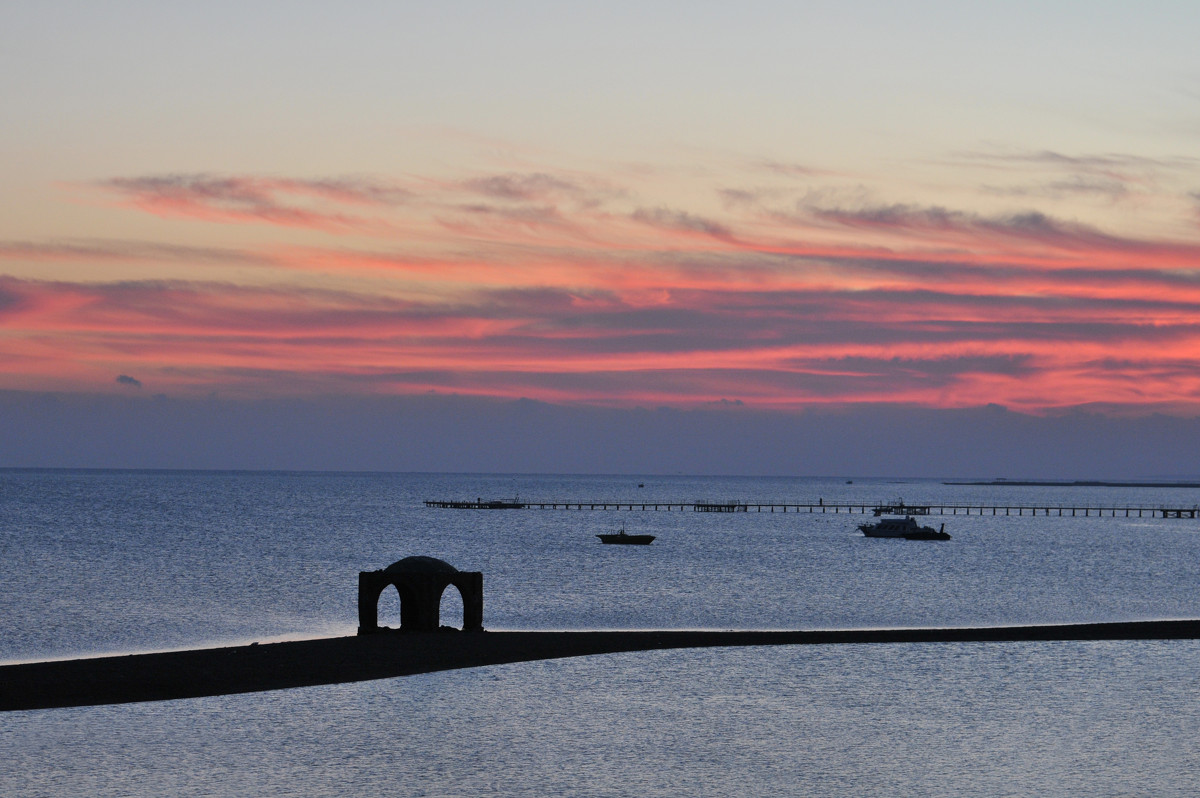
x=700 y=506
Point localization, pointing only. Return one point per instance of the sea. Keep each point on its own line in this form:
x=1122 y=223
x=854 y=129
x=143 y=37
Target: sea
x=116 y=562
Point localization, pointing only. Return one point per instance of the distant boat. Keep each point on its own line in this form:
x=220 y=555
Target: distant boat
x=898 y=507
x=906 y=528
x=621 y=537
x=500 y=504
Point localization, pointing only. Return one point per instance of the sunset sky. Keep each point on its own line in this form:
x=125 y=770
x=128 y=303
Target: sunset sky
x=779 y=207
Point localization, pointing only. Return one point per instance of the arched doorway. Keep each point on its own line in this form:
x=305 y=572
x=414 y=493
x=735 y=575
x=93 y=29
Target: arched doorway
x=451 y=608
x=389 y=608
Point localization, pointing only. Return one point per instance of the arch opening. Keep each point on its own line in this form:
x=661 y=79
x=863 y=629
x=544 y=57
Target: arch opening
x=389 y=609
x=451 y=607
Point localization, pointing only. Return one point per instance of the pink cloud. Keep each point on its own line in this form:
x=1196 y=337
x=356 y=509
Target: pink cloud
x=767 y=348
x=561 y=287
x=256 y=200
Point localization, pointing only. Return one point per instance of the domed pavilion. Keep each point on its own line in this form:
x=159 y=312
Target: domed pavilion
x=420 y=581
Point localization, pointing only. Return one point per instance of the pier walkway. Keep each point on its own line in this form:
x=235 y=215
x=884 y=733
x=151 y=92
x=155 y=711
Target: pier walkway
x=172 y=675
x=1083 y=511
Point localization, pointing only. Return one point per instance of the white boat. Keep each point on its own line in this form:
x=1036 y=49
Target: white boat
x=906 y=528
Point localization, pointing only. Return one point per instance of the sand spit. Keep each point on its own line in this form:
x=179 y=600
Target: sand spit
x=275 y=666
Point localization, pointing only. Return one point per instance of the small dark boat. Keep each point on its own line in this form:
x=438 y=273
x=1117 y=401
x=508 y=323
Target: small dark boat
x=622 y=537
x=906 y=528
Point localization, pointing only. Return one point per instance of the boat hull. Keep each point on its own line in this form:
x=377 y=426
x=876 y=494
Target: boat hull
x=628 y=540
x=931 y=535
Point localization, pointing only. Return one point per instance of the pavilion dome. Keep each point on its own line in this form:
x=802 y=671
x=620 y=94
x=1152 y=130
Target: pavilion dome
x=421 y=565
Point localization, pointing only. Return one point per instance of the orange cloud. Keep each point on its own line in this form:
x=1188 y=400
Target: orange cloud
x=766 y=348
x=567 y=288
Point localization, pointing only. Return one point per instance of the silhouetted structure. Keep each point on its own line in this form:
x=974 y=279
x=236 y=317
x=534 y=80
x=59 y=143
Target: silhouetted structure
x=822 y=506
x=420 y=581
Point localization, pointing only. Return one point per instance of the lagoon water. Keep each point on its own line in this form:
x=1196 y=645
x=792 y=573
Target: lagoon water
x=100 y=562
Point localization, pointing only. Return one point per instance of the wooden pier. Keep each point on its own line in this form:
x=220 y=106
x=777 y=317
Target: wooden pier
x=1081 y=511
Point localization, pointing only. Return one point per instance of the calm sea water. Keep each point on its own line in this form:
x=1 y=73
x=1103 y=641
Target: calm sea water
x=113 y=562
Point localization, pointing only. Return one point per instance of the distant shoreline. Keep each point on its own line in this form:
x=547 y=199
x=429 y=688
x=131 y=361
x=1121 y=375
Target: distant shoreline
x=304 y=663
x=1077 y=483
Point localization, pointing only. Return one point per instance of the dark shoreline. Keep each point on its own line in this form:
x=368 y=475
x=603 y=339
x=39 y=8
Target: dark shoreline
x=275 y=666
x=1076 y=483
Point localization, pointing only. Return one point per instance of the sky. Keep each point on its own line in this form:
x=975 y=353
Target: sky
x=432 y=225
